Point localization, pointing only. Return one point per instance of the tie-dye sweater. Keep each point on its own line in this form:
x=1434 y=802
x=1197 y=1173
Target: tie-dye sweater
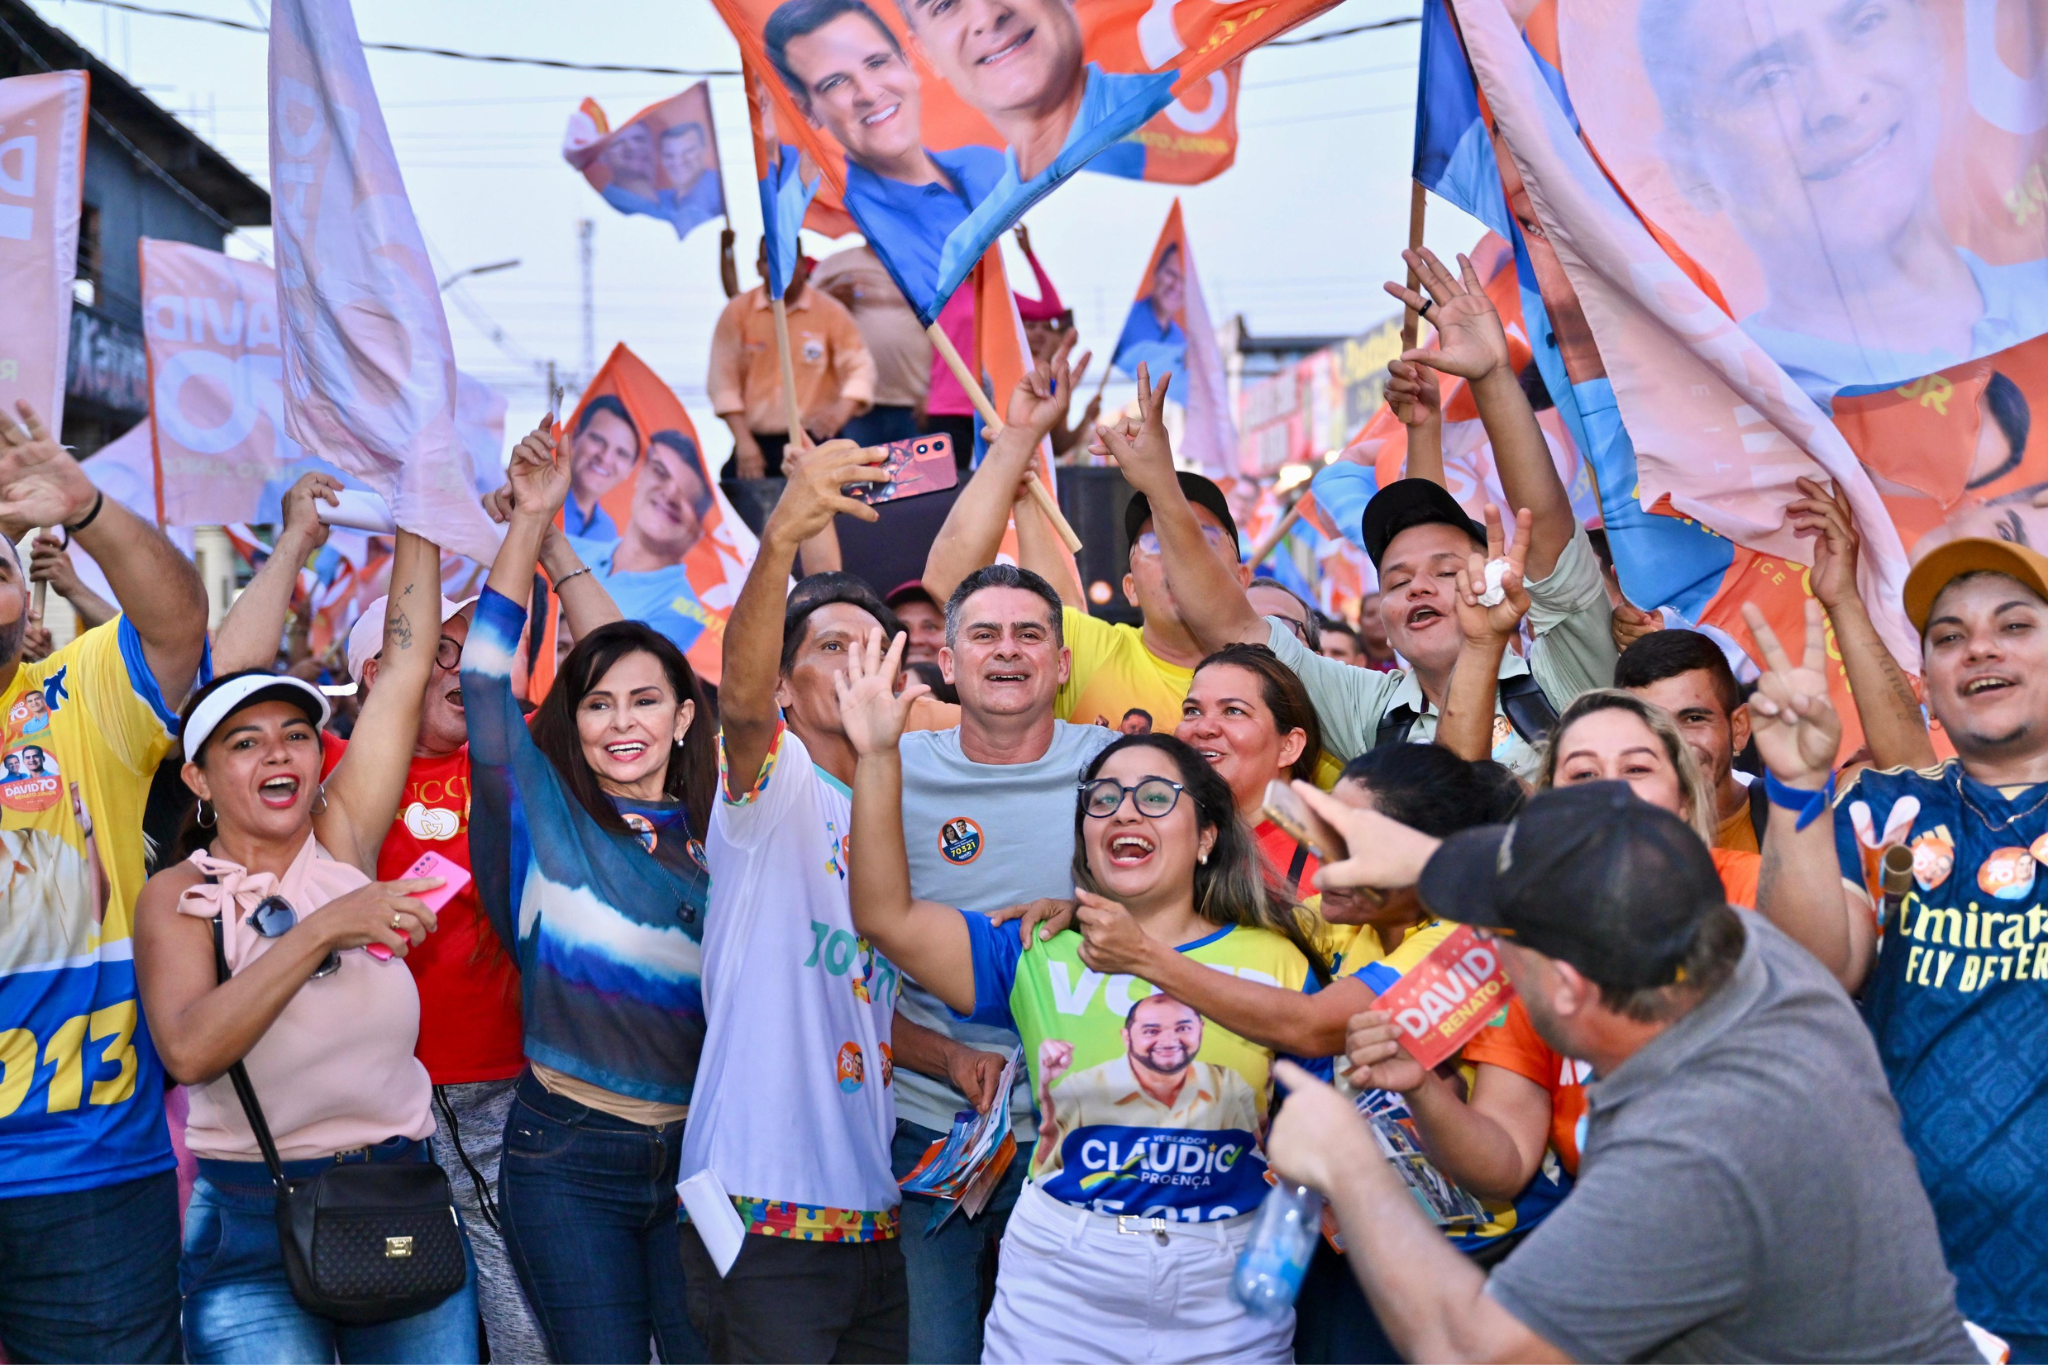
x=607 y=937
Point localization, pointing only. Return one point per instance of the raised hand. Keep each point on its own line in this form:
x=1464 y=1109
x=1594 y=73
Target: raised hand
x=1504 y=618
x=872 y=712
x=1797 y=730
x=812 y=497
x=1470 y=341
x=49 y=562
x=1630 y=623
x=1413 y=392
x=302 y=511
x=1141 y=448
x=1824 y=518
x=40 y=484
x=1385 y=854
x=537 y=477
x=1041 y=397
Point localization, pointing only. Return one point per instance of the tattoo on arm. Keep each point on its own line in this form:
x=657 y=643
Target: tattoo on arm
x=400 y=628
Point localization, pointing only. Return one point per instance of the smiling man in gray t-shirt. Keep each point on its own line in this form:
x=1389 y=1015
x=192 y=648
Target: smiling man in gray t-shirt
x=988 y=819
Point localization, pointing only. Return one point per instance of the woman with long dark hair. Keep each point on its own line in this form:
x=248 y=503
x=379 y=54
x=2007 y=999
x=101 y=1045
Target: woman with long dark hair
x=1132 y=1084
x=276 y=892
x=587 y=856
x=1250 y=716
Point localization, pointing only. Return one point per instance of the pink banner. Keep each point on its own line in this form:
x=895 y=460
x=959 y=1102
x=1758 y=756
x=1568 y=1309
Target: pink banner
x=42 y=164
x=369 y=367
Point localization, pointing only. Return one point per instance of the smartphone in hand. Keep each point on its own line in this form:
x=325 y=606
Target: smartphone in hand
x=1303 y=825
x=454 y=876
x=922 y=464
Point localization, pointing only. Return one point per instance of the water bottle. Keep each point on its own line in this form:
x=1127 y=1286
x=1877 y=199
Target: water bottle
x=1276 y=1255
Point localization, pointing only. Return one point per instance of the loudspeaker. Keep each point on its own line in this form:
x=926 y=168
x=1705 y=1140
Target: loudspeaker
x=1094 y=499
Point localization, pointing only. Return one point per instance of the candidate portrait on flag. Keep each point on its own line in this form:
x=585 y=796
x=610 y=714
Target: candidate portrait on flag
x=661 y=163
x=1155 y=333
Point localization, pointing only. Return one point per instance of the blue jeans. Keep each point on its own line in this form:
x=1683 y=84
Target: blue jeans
x=945 y=1269
x=238 y=1301
x=91 y=1274
x=587 y=1202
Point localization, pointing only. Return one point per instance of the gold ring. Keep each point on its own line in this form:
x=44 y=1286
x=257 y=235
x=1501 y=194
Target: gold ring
x=396 y=919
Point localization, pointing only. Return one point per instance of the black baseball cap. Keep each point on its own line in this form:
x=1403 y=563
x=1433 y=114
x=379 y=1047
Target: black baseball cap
x=1589 y=874
x=1406 y=503
x=1200 y=491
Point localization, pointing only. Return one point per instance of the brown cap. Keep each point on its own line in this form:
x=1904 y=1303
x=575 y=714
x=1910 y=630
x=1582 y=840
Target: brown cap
x=1951 y=561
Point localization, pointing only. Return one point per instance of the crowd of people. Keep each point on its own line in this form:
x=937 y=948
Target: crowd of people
x=774 y=939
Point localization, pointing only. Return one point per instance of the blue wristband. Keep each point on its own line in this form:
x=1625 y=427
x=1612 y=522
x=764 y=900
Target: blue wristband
x=1809 y=803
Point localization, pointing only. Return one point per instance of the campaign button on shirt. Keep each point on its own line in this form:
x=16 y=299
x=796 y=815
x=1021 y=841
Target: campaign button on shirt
x=960 y=840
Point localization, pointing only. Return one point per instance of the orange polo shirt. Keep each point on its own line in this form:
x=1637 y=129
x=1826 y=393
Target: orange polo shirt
x=825 y=349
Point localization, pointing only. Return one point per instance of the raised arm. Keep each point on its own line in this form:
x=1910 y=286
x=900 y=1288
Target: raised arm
x=1472 y=344
x=1800 y=888
x=753 y=637
x=50 y=563
x=1893 y=725
x=585 y=603
x=973 y=530
x=1466 y=727
x=364 y=789
x=1207 y=591
x=1413 y=394
x=248 y=637
x=928 y=941
x=158 y=589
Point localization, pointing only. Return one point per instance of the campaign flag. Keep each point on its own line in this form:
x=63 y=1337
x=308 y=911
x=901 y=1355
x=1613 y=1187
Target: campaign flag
x=369 y=368
x=939 y=127
x=42 y=174
x=1168 y=331
x=662 y=162
x=1442 y=1002
x=788 y=179
x=480 y=422
x=646 y=515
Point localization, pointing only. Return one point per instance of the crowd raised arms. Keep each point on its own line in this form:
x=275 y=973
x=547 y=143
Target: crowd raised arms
x=670 y=998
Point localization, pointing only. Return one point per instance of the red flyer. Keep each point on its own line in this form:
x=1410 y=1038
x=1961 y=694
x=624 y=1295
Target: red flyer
x=1443 y=1001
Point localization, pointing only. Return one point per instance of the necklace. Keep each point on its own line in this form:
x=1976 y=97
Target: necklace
x=1997 y=826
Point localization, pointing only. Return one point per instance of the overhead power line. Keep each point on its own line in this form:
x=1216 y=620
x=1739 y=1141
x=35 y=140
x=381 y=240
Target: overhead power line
x=1401 y=22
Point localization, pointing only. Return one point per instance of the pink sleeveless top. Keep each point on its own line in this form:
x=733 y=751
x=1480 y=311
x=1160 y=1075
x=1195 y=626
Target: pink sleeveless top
x=336 y=1069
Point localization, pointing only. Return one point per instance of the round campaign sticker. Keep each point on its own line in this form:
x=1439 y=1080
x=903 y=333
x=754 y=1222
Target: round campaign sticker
x=29 y=781
x=888 y=1066
x=642 y=827
x=2007 y=874
x=960 y=840
x=1934 y=857
x=852 y=1070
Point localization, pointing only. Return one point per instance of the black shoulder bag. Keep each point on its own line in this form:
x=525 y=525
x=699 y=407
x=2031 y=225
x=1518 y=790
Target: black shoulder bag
x=363 y=1243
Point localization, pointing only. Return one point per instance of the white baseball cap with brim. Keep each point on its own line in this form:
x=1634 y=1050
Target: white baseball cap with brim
x=247 y=690
x=366 y=636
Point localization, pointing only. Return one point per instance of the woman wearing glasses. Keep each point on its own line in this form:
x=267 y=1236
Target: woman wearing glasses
x=325 y=1031
x=1148 y=1165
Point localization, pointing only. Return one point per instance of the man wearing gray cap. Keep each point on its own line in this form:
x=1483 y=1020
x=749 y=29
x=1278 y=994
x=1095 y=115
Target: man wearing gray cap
x=1743 y=1193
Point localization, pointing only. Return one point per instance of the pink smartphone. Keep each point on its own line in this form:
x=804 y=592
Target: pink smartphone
x=922 y=464
x=454 y=876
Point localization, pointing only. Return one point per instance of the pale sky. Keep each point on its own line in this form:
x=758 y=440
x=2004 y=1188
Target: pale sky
x=1297 y=237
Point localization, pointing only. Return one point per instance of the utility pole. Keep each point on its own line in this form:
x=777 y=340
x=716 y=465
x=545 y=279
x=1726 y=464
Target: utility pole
x=586 y=238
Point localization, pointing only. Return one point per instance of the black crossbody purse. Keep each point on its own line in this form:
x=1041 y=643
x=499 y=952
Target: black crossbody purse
x=363 y=1243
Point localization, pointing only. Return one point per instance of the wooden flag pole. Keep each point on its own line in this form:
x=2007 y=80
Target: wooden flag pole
x=1278 y=533
x=42 y=593
x=797 y=435
x=1411 y=323
x=943 y=344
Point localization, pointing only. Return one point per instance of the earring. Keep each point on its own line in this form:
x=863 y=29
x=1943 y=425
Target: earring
x=204 y=822
x=1203 y=858
x=321 y=809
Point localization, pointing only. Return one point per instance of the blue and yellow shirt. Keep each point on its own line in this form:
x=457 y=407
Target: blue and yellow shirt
x=81 y=1089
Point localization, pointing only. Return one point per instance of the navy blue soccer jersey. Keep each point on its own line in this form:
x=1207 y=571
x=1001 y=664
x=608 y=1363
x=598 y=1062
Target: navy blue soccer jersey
x=1958 y=1001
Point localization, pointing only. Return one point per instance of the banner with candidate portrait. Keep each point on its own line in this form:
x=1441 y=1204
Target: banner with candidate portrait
x=660 y=163
x=42 y=174
x=1168 y=331
x=792 y=189
x=646 y=515
x=940 y=124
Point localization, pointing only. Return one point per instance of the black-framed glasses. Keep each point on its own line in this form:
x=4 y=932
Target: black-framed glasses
x=447 y=653
x=1155 y=797
x=274 y=917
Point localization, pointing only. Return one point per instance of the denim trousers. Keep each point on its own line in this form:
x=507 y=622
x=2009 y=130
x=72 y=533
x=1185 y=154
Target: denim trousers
x=239 y=1308
x=945 y=1268
x=91 y=1274
x=468 y=1136
x=587 y=1203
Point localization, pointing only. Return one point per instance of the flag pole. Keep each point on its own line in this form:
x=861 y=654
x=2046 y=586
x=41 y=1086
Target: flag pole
x=1279 y=532
x=1411 y=322
x=797 y=436
x=943 y=344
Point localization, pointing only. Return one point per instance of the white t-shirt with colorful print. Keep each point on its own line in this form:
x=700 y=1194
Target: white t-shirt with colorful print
x=1144 y=1106
x=792 y=1107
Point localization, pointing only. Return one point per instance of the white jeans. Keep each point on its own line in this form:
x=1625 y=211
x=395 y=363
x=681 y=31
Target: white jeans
x=1071 y=1288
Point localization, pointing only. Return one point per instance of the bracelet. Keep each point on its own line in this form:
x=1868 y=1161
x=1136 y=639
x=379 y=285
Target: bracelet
x=567 y=576
x=1808 y=802
x=99 y=500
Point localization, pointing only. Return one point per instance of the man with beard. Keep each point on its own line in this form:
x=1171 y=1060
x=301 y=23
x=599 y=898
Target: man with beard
x=88 y=1192
x=471 y=1034
x=1156 y=1083
x=603 y=449
x=644 y=569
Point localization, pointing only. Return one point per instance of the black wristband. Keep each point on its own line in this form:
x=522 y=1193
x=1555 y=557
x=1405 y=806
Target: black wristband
x=99 y=500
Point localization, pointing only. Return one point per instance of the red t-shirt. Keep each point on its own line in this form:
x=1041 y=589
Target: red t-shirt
x=1281 y=849
x=468 y=983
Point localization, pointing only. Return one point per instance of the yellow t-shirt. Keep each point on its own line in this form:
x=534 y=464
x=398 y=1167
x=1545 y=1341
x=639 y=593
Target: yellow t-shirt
x=1113 y=672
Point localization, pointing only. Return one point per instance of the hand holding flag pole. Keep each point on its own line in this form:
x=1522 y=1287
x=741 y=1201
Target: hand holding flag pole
x=943 y=344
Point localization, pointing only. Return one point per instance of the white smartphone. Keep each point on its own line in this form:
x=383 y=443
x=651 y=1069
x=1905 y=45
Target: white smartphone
x=717 y=1221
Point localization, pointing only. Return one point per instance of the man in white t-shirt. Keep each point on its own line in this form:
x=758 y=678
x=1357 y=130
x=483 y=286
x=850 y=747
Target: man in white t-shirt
x=988 y=821
x=792 y=1109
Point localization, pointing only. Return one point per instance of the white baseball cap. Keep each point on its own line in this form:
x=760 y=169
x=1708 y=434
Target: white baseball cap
x=366 y=636
x=241 y=691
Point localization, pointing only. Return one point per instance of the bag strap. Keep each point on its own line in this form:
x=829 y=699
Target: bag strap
x=239 y=1074
x=1294 y=868
x=1527 y=709
x=1394 y=727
